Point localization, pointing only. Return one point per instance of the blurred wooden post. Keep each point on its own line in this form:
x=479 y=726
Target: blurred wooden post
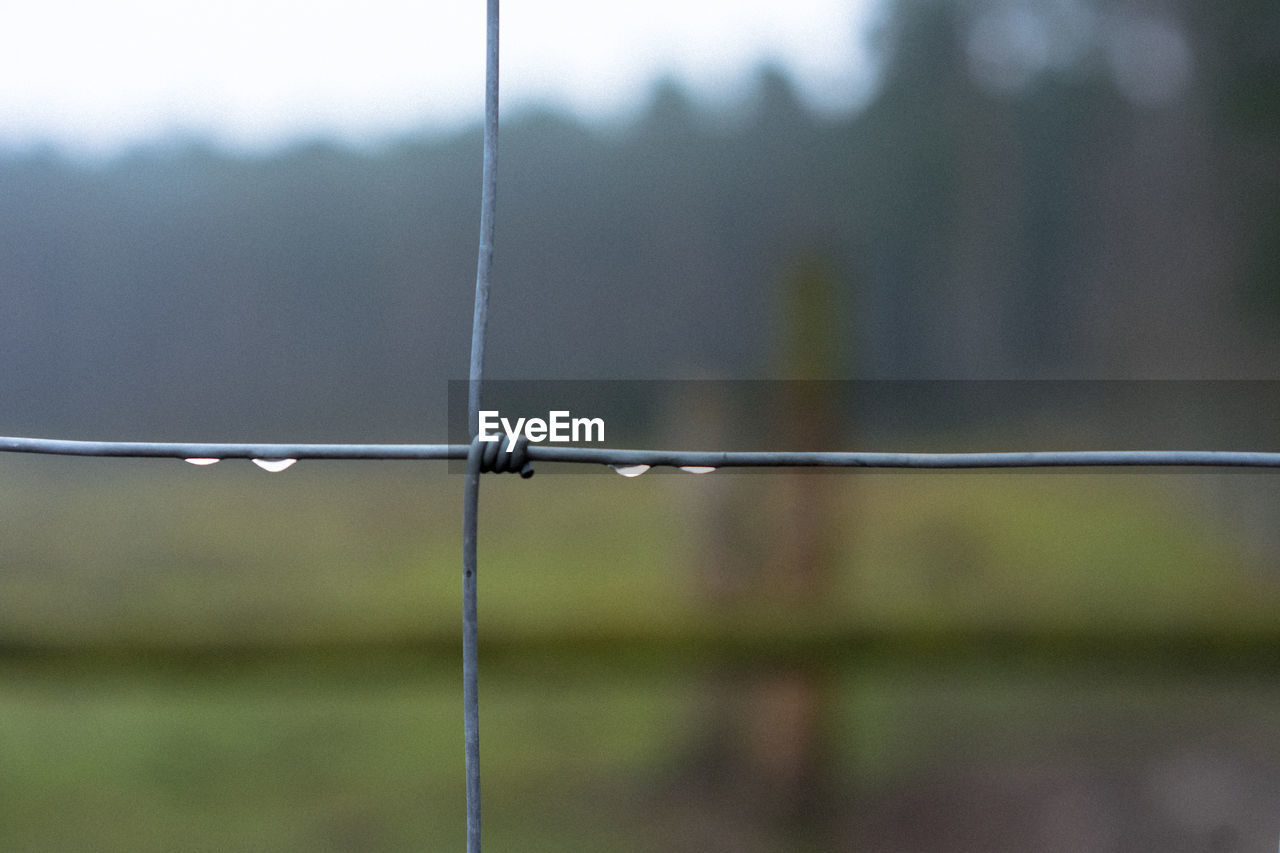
x=766 y=545
x=799 y=561
x=785 y=705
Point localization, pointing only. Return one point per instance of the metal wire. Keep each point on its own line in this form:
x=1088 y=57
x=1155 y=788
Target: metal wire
x=209 y=450
x=812 y=459
x=475 y=453
x=658 y=458
x=470 y=646
x=488 y=201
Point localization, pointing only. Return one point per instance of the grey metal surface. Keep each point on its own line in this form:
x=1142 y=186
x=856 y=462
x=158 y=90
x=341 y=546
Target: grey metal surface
x=471 y=489
x=656 y=458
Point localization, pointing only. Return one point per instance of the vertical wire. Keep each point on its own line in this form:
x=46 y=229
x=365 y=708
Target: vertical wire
x=471 y=489
x=470 y=651
x=488 y=198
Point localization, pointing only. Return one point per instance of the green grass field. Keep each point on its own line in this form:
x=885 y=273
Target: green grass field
x=223 y=659
x=97 y=551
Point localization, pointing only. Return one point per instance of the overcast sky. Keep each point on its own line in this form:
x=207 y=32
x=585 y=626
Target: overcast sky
x=94 y=76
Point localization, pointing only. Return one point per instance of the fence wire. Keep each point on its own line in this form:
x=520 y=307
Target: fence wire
x=471 y=488
x=625 y=457
x=628 y=461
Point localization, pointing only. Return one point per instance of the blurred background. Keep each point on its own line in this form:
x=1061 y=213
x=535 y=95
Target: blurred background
x=258 y=222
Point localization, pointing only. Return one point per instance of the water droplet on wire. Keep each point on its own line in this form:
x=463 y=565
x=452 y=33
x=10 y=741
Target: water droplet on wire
x=630 y=470
x=697 y=469
x=274 y=465
x=200 y=460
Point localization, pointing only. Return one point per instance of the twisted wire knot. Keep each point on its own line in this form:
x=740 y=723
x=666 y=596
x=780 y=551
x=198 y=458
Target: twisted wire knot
x=496 y=459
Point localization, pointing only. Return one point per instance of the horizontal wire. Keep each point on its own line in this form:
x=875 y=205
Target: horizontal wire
x=206 y=450
x=657 y=458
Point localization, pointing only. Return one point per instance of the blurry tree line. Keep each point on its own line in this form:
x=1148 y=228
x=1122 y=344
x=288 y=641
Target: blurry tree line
x=1039 y=188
